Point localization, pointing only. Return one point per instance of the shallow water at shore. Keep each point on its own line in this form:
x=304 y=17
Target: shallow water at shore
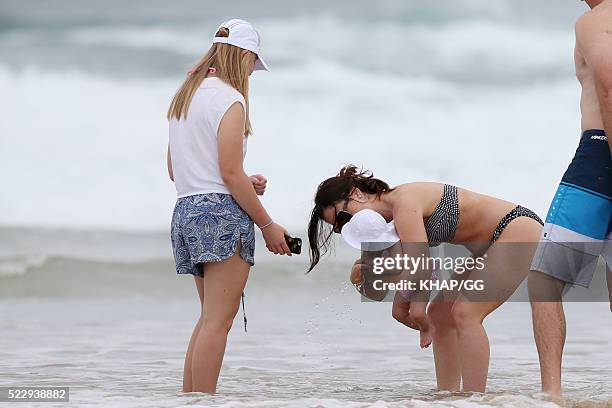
x=116 y=333
x=488 y=87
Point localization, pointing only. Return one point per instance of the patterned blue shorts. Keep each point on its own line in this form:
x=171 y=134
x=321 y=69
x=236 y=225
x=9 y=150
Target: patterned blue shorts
x=207 y=228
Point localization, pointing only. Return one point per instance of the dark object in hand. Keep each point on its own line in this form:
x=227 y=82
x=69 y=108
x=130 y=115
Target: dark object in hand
x=294 y=244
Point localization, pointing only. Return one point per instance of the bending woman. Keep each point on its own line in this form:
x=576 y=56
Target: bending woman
x=433 y=213
x=212 y=232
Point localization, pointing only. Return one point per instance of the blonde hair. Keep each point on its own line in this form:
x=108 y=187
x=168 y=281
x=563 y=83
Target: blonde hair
x=232 y=65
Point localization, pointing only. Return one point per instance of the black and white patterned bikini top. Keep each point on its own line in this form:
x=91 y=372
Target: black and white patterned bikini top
x=442 y=223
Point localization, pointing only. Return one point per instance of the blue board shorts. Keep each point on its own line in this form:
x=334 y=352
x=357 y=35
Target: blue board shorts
x=207 y=228
x=578 y=226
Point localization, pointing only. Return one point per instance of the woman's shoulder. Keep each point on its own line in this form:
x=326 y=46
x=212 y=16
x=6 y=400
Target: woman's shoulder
x=423 y=194
x=420 y=187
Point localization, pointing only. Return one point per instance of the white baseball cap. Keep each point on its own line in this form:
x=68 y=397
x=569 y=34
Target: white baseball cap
x=368 y=226
x=243 y=35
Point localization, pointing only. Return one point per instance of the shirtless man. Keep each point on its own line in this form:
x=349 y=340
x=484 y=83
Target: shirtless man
x=580 y=215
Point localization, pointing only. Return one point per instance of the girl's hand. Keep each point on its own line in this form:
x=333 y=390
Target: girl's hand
x=259 y=183
x=274 y=235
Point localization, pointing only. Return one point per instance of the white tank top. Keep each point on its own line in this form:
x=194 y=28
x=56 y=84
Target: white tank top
x=193 y=141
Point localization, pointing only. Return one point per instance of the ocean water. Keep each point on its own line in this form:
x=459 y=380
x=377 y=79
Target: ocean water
x=113 y=325
x=479 y=94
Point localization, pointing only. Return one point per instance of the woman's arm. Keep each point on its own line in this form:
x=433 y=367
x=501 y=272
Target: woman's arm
x=408 y=216
x=230 y=139
x=169 y=164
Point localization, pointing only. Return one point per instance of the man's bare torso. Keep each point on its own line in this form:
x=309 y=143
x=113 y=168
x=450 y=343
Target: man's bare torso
x=600 y=19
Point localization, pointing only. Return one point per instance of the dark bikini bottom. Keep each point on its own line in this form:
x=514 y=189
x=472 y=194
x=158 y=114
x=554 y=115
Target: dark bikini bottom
x=518 y=211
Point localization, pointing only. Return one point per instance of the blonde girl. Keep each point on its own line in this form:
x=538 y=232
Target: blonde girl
x=212 y=230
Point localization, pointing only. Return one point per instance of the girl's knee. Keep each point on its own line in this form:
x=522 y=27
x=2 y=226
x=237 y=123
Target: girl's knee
x=218 y=325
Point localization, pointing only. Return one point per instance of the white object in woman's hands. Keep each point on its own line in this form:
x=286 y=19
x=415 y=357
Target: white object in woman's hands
x=274 y=235
x=259 y=183
x=368 y=226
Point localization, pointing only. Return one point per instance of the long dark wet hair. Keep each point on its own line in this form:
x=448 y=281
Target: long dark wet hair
x=331 y=191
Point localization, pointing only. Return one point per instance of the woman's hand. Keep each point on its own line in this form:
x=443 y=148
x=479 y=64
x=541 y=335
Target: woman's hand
x=259 y=183
x=274 y=235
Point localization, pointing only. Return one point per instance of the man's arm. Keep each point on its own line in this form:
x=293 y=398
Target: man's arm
x=594 y=38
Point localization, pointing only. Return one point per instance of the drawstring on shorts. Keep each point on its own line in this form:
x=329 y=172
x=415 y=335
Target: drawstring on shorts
x=244 y=313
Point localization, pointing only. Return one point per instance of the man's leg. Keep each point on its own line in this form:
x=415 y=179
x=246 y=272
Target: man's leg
x=548 y=328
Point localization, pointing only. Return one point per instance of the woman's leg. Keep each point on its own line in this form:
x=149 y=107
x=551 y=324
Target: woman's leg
x=445 y=346
x=187 y=384
x=223 y=286
x=473 y=342
x=506 y=266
